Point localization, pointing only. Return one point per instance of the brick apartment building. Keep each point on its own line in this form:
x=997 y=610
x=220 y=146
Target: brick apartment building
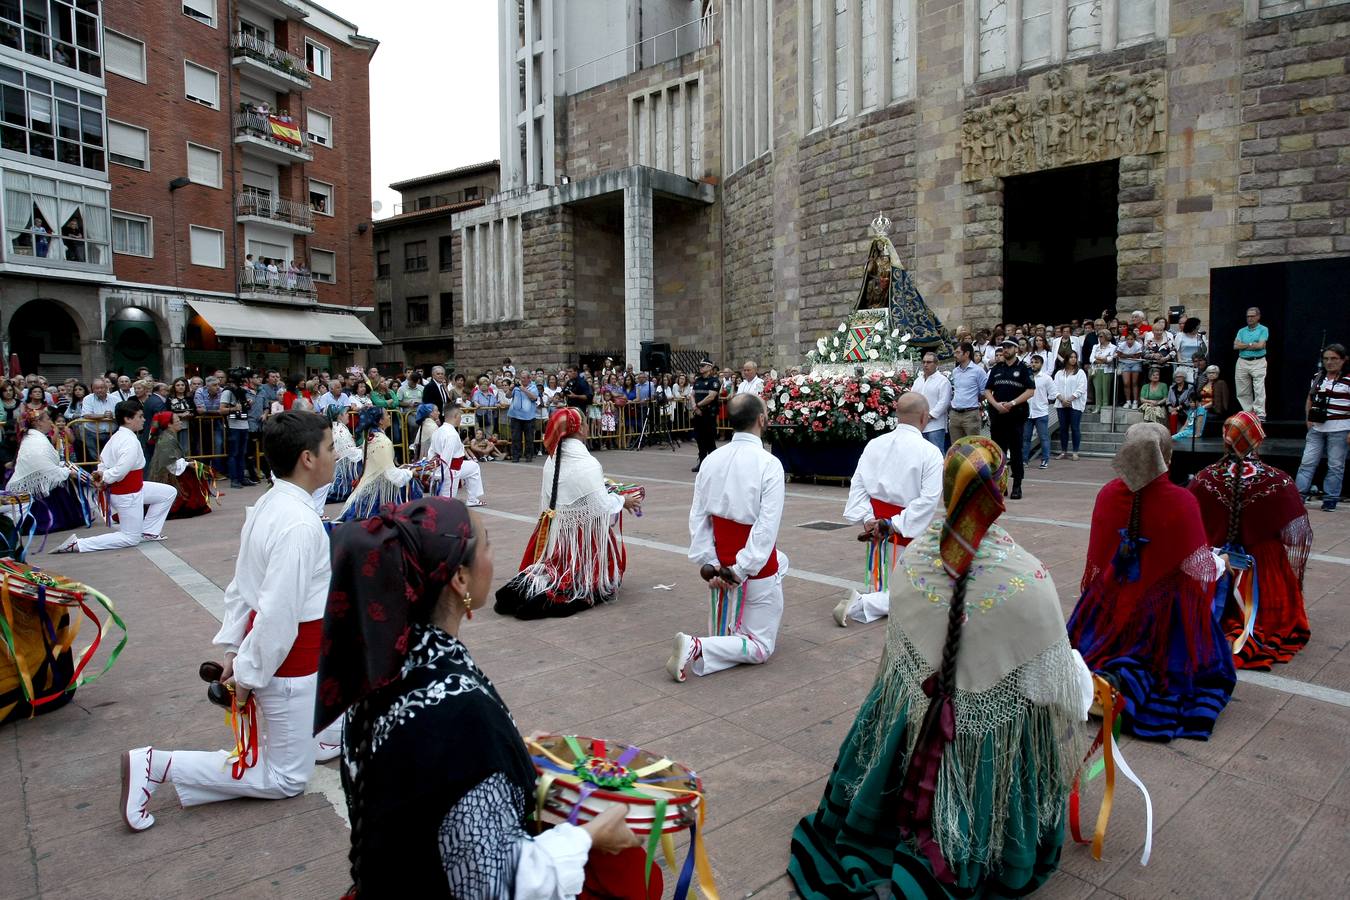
x=191 y=137
x=703 y=173
x=415 y=276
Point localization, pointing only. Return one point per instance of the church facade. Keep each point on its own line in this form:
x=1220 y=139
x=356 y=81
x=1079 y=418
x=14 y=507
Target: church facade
x=709 y=185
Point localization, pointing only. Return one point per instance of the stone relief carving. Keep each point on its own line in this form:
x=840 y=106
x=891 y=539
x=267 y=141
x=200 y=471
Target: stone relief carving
x=1061 y=121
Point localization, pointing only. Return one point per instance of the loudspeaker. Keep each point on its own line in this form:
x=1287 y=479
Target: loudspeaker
x=655 y=358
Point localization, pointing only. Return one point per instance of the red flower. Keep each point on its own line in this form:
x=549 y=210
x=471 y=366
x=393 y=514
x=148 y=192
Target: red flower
x=401 y=645
x=376 y=611
x=338 y=603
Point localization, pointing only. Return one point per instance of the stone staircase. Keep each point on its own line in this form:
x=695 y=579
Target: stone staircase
x=1099 y=438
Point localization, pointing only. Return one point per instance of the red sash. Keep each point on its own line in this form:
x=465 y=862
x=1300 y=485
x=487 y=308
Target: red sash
x=883 y=510
x=304 y=656
x=132 y=484
x=730 y=537
x=456 y=463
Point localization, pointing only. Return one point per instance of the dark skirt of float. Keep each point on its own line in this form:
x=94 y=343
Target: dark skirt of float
x=1167 y=654
x=850 y=848
x=60 y=510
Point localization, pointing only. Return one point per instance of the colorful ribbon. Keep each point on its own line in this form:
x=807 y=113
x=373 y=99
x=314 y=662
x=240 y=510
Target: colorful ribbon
x=1242 y=577
x=881 y=559
x=727 y=610
x=243 y=724
x=1112 y=760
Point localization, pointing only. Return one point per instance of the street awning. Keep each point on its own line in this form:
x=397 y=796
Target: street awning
x=266 y=323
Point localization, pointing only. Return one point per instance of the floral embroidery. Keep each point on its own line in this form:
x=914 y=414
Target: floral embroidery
x=981 y=594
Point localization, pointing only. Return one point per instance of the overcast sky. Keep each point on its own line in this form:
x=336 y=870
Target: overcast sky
x=433 y=86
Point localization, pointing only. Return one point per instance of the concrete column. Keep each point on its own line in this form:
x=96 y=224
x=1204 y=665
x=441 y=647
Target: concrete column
x=94 y=359
x=639 y=289
x=295 y=359
x=173 y=361
x=238 y=354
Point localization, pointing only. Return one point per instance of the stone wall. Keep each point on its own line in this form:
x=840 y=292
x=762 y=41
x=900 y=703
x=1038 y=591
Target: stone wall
x=1140 y=235
x=1295 y=151
x=598 y=250
x=749 y=298
x=688 y=272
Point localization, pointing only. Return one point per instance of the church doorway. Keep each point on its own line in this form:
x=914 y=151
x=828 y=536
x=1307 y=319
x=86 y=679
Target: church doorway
x=1059 y=243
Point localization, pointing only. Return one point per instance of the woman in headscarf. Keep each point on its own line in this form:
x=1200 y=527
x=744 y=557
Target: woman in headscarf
x=440 y=787
x=575 y=556
x=168 y=466
x=1146 y=619
x=953 y=780
x=61 y=495
x=426 y=420
x=382 y=481
x=349 y=456
x=1254 y=513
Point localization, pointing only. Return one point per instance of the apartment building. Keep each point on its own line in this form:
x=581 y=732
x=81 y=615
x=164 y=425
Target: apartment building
x=208 y=200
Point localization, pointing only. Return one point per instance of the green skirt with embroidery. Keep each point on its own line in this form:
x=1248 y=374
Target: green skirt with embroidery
x=850 y=847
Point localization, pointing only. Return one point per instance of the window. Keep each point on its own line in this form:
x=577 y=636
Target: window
x=382 y=264
x=445 y=246
x=419 y=311
x=63 y=31
x=128 y=145
x=320 y=127
x=56 y=221
x=1050 y=31
x=203 y=11
x=447 y=309
x=208 y=246
x=386 y=316
x=747 y=28
x=321 y=197
x=131 y=234
x=203 y=165
x=424 y=203
x=323 y=265
x=254 y=37
x=45 y=118
x=415 y=256
x=317 y=59
x=470 y=193
x=201 y=85
x=868 y=73
x=491 y=255
x=123 y=56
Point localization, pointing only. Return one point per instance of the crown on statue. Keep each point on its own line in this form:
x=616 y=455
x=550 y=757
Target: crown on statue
x=881 y=226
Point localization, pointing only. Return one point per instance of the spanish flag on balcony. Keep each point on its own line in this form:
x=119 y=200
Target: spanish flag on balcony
x=284 y=130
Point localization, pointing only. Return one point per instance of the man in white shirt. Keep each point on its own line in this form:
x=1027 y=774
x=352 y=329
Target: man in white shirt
x=141 y=506
x=895 y=491
x=456 y=468
x=124 y=389
x=97 y=405
x=733 y=533
x=271 y=633
x=1042 y=400
x=751 y=383
x=334 y=397
x=937 y=390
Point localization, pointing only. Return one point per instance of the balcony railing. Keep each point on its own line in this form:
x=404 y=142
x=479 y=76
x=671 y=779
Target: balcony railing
x=281 y=285
x=275 y=209
x=668 y=45
x=245 y=45
x=285 y=132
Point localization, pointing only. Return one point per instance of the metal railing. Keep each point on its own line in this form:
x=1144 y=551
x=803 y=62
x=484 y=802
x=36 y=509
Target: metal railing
x=267 y=53
x=667 y=45
x=274 y=208
x=284 y=285
x=251 y=124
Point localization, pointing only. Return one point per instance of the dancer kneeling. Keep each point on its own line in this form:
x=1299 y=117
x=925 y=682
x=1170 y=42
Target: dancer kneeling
x=168 y=466
x=968 y=740
x=440 y=787
x=1146 y=620
x=1255 y=513
x=382 y=481
x=575 y=556
x=457 y=470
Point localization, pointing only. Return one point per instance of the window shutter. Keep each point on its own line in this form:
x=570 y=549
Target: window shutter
x=123 y=55
x=128 y=142
x=205 y=9
x=321 y=263
x=202 y=84
x=206 y=247
x=203 y=165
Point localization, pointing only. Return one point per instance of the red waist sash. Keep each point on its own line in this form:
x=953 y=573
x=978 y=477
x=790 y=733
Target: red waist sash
x=132 y=484
x=304 y=656
x=730 y=537
x=883 y=510
x=456 y=464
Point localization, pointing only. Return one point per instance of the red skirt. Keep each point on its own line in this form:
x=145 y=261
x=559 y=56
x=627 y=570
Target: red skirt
x=193 y=497
x=1281 y=628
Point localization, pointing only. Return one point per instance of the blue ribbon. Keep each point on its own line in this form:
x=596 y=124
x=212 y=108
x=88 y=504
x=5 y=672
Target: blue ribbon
x=687 y=872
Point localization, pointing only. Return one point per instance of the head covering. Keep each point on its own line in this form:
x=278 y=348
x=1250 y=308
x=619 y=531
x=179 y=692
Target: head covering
x=159 y=422
x=706 y=362
x=562 y=424
x=1008 y=342
x=974 y=480
x=1140 y=459
x=27 y=418
x=388 y=574
x=422 y=412
x=369 y=421
x=1243 y=433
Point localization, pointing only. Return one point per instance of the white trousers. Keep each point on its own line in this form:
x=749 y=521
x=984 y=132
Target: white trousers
x=753 y=642
x=287 y=749
x=469 y=477
x=137 y=514
x=869 y=607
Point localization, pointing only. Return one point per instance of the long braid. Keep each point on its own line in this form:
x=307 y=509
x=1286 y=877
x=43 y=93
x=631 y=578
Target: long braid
x=557 y=471
x=1235 y=503
x=356 y=741
x=1135 y=509
x=956 y=616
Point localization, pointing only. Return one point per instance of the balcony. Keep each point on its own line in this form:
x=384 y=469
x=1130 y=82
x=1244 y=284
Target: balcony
x=275 y=138
x=281 y=287
x=285 y=214
x=268 y=64
x=652 y=51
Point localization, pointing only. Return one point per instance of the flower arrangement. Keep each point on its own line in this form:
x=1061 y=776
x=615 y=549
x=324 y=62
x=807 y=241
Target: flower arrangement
x=811 y=408
x=880 y=346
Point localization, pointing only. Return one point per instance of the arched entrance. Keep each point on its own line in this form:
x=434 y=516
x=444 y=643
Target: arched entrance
x=47 y=339
x=133 y=341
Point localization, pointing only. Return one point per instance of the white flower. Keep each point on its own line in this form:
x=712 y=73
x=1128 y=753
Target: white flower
x=872 y=354
x=806 y=391
x=905 y=339
x=902 y=348
x=861 y=406
x=864 y=387
x=820 y=345
x=820 y=413
x=772 y=405
x=787 y=413
x=834 y=357
x=888 y=374
x=891 y=422
x=784 y=397
x=870 y=418
x=799 y=379
x=876 y=339
x=895 y=332
x=843 y=326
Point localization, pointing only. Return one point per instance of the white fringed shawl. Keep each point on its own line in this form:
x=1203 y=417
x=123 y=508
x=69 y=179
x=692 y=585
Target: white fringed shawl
x=38 y=468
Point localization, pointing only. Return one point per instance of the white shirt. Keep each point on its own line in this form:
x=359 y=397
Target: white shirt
x=990 y=355
x=753 y=386
x=121 y=456
x=1075 y=344
x=1043 y=397
x=446 y=443
x=282 y=574
x=901 y=468
x=1070 y=387
x=341 y=401
x=742 y=482
x=1103 y=357
x=938 y=392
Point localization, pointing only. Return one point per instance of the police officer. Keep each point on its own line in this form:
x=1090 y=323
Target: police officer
x=1010 y=386
x=707 y=390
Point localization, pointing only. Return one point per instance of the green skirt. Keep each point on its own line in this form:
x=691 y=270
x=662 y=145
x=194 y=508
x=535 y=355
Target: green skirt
x=850 y=847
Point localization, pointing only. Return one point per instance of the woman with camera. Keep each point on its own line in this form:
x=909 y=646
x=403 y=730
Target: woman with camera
x=1328 y=417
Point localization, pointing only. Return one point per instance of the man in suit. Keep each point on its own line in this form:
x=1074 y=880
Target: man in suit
x=437 y=392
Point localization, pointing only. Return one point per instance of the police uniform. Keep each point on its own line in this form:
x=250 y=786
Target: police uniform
x=1007 y=383
x=705 y=418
